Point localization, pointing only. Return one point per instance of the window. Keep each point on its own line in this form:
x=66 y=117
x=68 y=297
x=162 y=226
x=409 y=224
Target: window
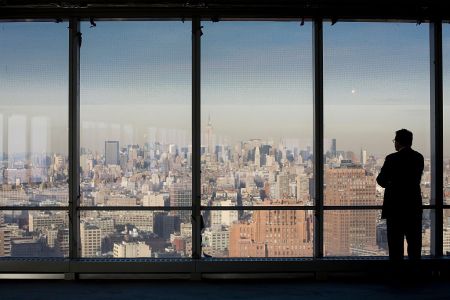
x=135 y=134
x=257 y=125
x=34 y=139
x=376 y=81
x=33 y=114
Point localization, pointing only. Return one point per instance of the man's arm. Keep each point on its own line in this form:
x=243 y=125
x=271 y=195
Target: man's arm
x=383 y=178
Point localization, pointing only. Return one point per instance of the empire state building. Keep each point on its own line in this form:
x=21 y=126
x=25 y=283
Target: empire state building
x=209 y=137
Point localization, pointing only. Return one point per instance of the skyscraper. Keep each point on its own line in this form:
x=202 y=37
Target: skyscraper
x=210 y=137
x=348 y=232
x=273 y=233
x=282 y=186
x=112 y=156
x=257 y=157
x=38 y=221
x=363 y=157
x=333 y=147
x=5 y=241
x=180 y=194
x=91 y=243
x=62 y=242
x=164 y=225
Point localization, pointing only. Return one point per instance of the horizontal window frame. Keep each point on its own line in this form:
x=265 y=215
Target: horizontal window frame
x=46 y=208
x=133 y=208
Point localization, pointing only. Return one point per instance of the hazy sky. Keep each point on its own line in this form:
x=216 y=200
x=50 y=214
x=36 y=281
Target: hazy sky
x=256 y=82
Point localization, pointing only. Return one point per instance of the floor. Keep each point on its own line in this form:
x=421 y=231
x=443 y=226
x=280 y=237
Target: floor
x=347 y=289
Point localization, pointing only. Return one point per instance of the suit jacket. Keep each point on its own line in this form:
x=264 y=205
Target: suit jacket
x=400 y=176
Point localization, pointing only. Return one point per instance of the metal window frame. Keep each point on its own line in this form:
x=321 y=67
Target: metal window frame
x=76 y=264
x=318 y=135
x=196 y=139
x=74 y=137
x=436 y=126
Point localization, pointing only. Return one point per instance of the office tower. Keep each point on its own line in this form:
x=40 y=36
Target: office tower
x=91 y=242
x=28 y=247
x=216 y=241
x=62 y=242
x=333 y=147
x=164 y=225
x=152 y=199
x=348 y=232
x=5 y=241
x=38 y=221
x=142 y=220
x=112 y=155
x=106 y=224
x=180 y=194
x=131 y=250
x=363 y=158
x=51 y=235
x=186 y=230
x=133 y=152
x=302 y=185
x=273 y=233
x=446 y=242
x=257 y=157
x=223 y=217
x=282 y=186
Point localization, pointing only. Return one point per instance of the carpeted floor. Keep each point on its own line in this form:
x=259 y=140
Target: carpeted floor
x=221 y=289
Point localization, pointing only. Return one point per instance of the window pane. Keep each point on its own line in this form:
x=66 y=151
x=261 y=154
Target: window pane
x=136 y=114
x=446 y=79
x=257 y=109
x=34 y=233
x=376 y=81
x=33 y=114
x=258 y=233
x=132 y=234
x=363 y=233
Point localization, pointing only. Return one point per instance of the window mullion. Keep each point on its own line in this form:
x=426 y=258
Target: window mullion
x=74 y=136
x=318 y=135
x=436 y=118
x=196 y=118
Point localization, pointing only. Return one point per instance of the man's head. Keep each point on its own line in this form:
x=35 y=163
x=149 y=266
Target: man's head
x=403 y=138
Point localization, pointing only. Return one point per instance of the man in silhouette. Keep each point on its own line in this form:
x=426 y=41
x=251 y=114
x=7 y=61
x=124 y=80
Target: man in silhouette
x=402 y=205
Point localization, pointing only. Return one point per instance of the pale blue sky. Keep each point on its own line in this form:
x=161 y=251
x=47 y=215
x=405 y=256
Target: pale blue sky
x=256 y=79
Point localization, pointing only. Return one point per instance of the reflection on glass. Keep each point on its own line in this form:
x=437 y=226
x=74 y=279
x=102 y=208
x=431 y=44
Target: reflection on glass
x=256 y=113
x=376 y=81
x=33 y=114
x=135 y=234
x=258 y=233
x=34 y=234
x=135 y=114
x=363 y=233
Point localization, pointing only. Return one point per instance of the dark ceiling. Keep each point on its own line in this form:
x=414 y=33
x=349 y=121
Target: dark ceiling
x=420 y=10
